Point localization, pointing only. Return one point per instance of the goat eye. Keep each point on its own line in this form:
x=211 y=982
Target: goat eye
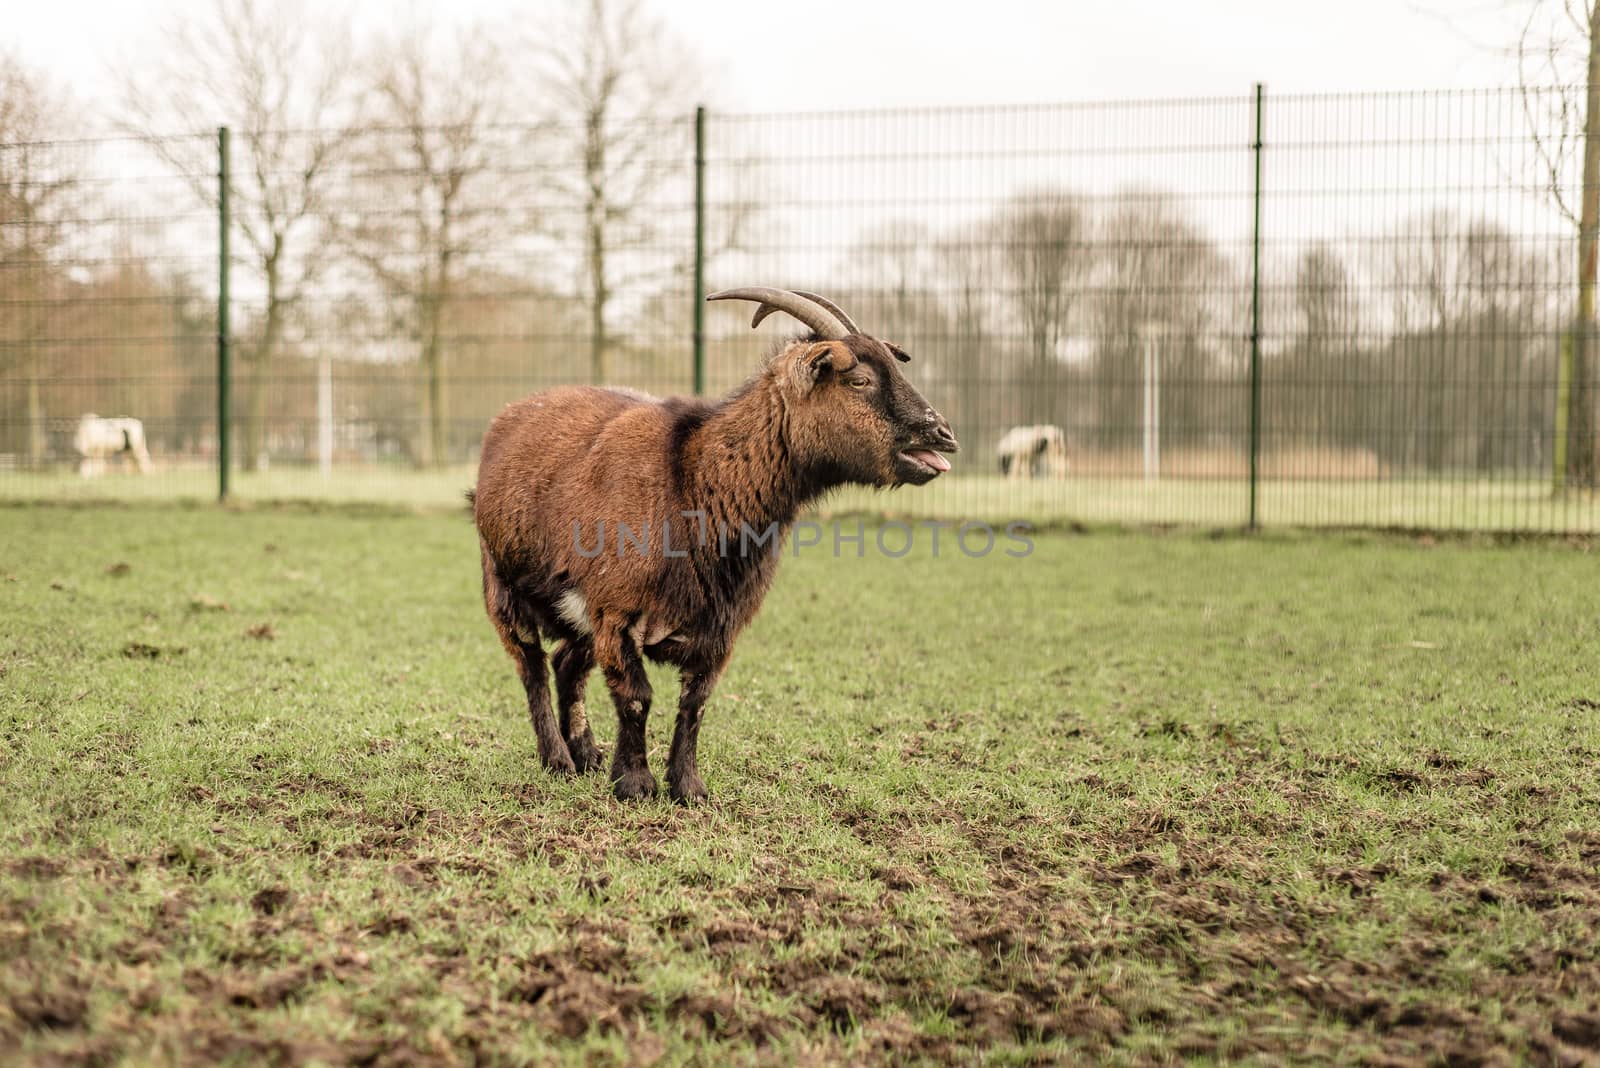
x=860 y=383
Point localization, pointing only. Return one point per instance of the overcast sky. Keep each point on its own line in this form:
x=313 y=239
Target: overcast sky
x=827 y=54
x=823 y=55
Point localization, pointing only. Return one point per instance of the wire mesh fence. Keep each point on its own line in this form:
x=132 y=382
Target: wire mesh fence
x=1308 y=310
x=107 y=298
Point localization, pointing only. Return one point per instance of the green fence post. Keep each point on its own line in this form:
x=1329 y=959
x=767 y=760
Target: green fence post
x=224 y=371
x=699 y=251
x=1255 y=325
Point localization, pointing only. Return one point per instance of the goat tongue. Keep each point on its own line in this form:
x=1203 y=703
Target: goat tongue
x=929 y=457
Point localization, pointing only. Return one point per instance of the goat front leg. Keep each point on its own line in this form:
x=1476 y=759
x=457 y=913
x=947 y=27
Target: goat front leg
x=623 y=667
x=683 y=764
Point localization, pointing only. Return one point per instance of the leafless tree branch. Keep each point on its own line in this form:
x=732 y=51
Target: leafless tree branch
x=281 y=78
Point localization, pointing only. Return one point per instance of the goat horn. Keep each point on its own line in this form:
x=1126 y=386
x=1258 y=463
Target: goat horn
x=816 y=298
x=826 y=325
x=899 y=353
x=838 y=312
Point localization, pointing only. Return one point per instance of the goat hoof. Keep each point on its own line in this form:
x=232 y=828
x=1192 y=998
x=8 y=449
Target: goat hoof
x=586 y=756
x=635 y=785
x=690 y=790
x=559 y=764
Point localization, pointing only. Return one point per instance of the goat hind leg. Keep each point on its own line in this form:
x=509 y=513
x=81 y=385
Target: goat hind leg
x=522 y=643
x=572 y=662
x=553 y=752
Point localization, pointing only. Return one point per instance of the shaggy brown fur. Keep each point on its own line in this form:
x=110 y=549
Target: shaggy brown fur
x=686 y=502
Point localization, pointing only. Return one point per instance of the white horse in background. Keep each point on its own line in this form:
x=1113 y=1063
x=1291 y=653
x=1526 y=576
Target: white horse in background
x=1033 y=452
x=97 y=440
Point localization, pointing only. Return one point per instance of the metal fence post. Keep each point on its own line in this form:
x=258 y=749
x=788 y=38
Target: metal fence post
x=699 y=251
x=224 y=370
x=1255 y=324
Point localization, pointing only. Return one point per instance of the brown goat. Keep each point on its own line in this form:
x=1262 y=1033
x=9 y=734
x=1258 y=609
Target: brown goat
x=625 y=527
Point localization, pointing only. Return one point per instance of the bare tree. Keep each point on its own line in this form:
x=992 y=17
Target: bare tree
x=1467 y=297
x=1323 y=340
x=1560 y=43
x=1162 y=281
x=436 y=99
x=1507 y=280
x=1044 y=254
x=1427 y=281
x=38 y=202
x=281 y=78
x=1324 y=303
x=892 y=278
x=621 y=90
x=965 y=262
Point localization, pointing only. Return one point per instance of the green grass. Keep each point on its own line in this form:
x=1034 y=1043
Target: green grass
x=269 y=794
x=1462 y=504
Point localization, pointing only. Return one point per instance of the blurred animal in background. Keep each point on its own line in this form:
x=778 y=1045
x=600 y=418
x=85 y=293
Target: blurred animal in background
x=1033 y=452
x=98 y=440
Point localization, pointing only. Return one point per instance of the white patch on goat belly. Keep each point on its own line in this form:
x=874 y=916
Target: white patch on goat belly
x=575 y=610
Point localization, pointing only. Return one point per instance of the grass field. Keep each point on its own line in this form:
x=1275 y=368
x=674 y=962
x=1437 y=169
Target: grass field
x=269 y=795
x=1460 y=504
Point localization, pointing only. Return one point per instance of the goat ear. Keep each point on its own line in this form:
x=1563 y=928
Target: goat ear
x=817 y=359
